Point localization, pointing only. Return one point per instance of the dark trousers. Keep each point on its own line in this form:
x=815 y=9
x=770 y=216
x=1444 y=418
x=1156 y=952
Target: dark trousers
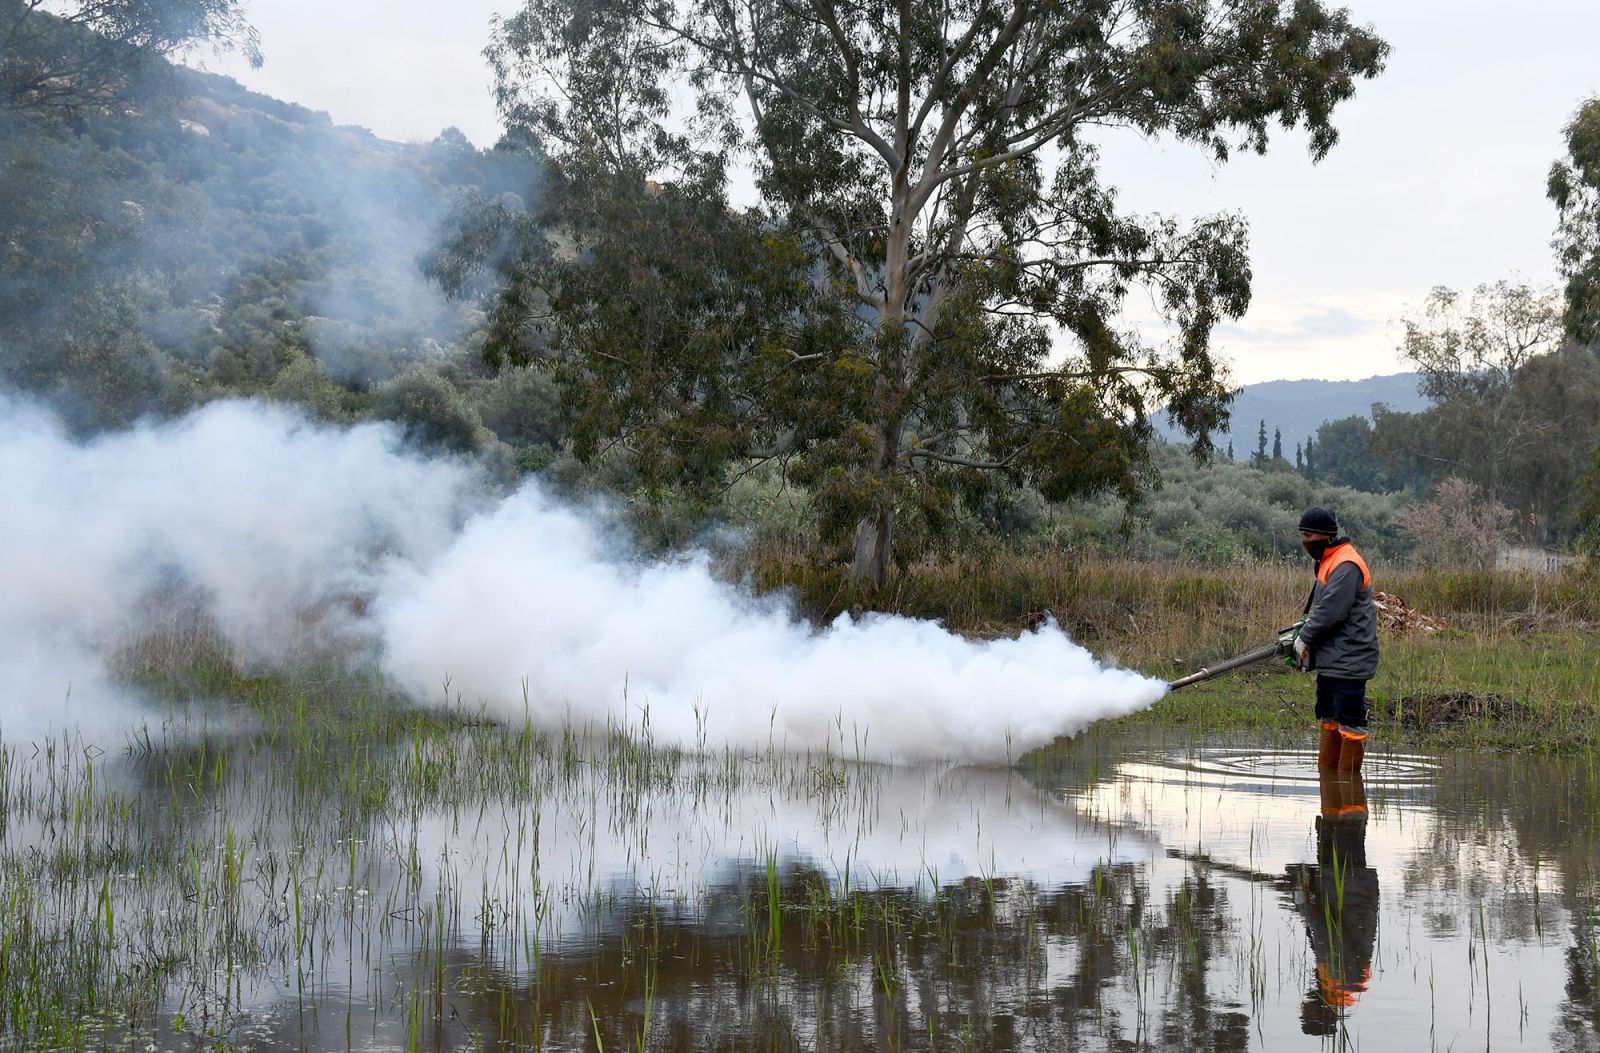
x=1343 y=701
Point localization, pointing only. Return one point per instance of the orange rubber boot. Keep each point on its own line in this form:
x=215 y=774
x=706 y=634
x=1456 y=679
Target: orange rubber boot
x=1353 y=794
x=1330 y=792
x=1328 y=747
x=1351 y=749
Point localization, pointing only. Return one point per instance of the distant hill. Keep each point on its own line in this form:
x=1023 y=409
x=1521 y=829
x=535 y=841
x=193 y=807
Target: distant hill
x=1299 y=407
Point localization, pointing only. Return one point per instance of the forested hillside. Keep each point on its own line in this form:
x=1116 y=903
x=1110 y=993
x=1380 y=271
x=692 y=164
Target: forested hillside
x=220 y=242
x=1295 y=409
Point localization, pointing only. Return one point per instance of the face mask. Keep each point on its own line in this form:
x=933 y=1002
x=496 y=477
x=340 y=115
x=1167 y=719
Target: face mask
x=1316 y=549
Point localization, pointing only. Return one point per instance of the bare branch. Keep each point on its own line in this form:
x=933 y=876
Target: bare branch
x=941 y=77
x=964 y=462
x=1155 y=372
x=969 y=92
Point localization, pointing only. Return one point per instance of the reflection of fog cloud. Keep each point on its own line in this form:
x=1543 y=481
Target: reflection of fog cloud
x=882 y=827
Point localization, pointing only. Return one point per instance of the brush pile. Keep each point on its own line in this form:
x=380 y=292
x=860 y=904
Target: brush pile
x=1395 y=616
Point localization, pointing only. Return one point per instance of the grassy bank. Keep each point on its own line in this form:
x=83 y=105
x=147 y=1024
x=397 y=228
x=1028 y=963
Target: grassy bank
x=1513 y=666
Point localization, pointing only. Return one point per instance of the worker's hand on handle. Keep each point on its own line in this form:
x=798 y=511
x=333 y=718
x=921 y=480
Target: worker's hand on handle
x=1302 y=654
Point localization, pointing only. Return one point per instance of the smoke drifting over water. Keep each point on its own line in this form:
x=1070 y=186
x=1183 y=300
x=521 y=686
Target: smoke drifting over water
x=279 y=528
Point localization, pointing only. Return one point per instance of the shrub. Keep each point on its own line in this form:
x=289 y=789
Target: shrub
x=304 y=384
x=433 y=412
x=1172 y=513
x=1287 y=490
x=522 y=407
x=1457 y=528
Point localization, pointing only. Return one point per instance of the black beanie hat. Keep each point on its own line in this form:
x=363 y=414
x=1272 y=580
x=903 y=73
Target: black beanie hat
x=1319 y=521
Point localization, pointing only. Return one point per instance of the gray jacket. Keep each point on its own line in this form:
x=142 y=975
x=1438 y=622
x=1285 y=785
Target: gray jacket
x=1342 y=626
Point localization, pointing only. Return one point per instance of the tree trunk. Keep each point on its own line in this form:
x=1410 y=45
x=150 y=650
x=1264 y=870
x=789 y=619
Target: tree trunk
x=874 y=535
x=875 y=532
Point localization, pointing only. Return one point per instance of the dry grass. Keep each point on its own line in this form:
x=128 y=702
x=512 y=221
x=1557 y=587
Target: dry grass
x=1166 y=609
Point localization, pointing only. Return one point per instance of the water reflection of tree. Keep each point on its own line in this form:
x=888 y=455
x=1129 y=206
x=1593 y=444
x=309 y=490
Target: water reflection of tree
x=1502 y=827
x=980 y=965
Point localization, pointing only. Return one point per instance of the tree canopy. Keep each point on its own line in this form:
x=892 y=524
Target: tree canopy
x=1513 y=414
x=1482 y=359
x=930 y=298
x=1574 y=186
x=59 y=58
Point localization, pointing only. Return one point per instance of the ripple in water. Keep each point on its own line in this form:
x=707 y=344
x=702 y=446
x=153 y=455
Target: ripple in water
x=1300 y=765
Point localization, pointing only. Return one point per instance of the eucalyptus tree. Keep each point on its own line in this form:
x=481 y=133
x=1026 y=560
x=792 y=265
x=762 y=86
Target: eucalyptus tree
x=1515 y=406
x=59 y=57
x=933 y=294
x=1574 y=186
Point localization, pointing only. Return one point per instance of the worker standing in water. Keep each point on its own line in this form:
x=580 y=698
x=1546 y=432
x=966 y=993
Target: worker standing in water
x=1339 y=640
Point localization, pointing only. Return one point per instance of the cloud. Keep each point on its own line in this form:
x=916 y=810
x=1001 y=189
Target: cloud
x=1300 y=324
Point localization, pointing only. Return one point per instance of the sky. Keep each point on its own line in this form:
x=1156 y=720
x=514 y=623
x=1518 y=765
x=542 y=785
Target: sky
x=1438 y=178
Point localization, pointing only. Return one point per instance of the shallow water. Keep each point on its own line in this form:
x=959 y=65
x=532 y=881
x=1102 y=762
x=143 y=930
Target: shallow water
x=480 y=888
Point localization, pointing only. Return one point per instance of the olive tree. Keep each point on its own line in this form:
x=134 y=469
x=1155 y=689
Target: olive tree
x=932 y=294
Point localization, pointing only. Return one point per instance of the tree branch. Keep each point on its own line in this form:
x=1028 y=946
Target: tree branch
x=1155 y=372
x=963 y=462
x=969 y=92
x=864 y=132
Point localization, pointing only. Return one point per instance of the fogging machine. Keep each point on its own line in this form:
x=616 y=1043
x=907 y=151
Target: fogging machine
x=1283 y=646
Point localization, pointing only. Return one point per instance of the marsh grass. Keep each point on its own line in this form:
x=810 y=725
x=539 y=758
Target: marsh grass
x=1100 y=599
x=435 y=881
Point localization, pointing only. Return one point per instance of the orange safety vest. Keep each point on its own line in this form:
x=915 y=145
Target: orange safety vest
x=1335 y=558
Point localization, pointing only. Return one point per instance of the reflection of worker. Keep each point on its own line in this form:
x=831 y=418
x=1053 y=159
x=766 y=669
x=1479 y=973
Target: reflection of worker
x=1339 y=640
x=1339 y=899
